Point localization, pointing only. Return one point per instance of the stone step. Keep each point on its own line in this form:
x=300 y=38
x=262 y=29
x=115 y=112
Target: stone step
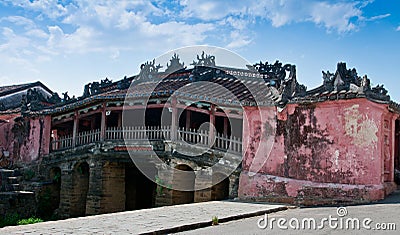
x=11 y=188
x=14 y=179
x=6 y=173
x=15 y=187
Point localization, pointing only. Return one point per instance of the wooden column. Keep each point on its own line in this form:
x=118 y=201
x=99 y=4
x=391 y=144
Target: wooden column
x=211 y=134
x=120 y=119
x=174 y=119
x=188 y=118
x=226 y=126
x=54 y=137
x=103 y=123
x=75 y=128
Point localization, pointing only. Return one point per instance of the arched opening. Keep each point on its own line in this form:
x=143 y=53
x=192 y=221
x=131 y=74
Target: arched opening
x=80 y=187
x=183 y=180
x=49 y=196
x=220 y=188
x=140 y=191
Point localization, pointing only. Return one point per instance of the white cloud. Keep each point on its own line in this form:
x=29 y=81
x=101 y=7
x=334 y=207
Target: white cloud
x=50 y=8
x=335 y=16
x=212 y=9
x=20 y=21
x=341 y=16
x=81 y=41
x=238 y=40
x=38 y=33
x=378 y=17
x=398 y=28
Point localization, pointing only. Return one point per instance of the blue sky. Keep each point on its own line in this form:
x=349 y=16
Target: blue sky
x=67 y=43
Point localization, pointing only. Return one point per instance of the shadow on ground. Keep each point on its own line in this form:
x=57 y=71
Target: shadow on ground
x=393 y=198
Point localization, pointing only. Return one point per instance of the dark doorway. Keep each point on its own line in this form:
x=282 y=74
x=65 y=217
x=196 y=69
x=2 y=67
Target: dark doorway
x=220 y=123
x=196 y=120
x=153 y=117
x=220 y=188
x=80 y=187
x=139 y=190
x=114 y=119
x=182 y=180
x=91 y=122
x=49 y=196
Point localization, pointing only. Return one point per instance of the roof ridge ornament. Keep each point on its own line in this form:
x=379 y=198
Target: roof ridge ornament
x=348 y=80
x=175 y=64
x=148 y=69
x=204 y=60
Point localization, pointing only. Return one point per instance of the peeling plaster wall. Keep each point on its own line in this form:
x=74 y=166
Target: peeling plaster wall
x=6 y=135
x=37 y=143
x=331 y=149
x=26 y=139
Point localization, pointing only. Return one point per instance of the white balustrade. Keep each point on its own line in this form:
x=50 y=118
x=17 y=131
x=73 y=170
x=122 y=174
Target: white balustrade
x=131 y=133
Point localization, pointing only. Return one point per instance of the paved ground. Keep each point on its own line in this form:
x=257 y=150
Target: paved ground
x=161 y=219
x=387 y=211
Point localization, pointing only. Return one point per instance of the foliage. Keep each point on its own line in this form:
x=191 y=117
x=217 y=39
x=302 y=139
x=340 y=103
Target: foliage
x=14 y=219
x=57 y=177
x=32 y=220
x=160 y=186
x=45 y=209
x=29 y=174
x=214 y=220
x=9 y=220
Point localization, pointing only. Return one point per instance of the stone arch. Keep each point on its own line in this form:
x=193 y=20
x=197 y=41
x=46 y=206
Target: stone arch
x=55 y=177
x=140 y=191
x=80 y=188
x=220 y=186
x=181 y=179
x=49 y=195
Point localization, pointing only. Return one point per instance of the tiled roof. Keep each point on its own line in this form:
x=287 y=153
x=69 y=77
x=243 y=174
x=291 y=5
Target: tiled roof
x=5 y=90
x=227 y=87
x=223 y=89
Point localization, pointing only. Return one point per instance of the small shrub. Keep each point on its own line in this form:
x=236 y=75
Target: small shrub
x=57 y=178
x=29 y=174
x=9 y=220
x=32 y=220
x=214 y=220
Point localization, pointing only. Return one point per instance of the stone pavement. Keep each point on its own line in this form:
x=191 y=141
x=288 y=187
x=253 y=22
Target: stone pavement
x=154 y=221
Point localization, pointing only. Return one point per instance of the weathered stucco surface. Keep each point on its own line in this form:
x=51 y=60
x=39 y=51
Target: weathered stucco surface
x=326 y=150
x=25 y=138
x=361 y=128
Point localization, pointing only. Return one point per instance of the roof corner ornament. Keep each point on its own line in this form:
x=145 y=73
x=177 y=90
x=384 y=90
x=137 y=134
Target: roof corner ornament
x=54 y=98
x=282 y=78
x=348 y=80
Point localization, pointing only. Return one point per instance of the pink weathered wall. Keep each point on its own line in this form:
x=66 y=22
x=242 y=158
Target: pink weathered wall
x=26 y=139
x=6 y=135
x=328 y=150
x=38 y=142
